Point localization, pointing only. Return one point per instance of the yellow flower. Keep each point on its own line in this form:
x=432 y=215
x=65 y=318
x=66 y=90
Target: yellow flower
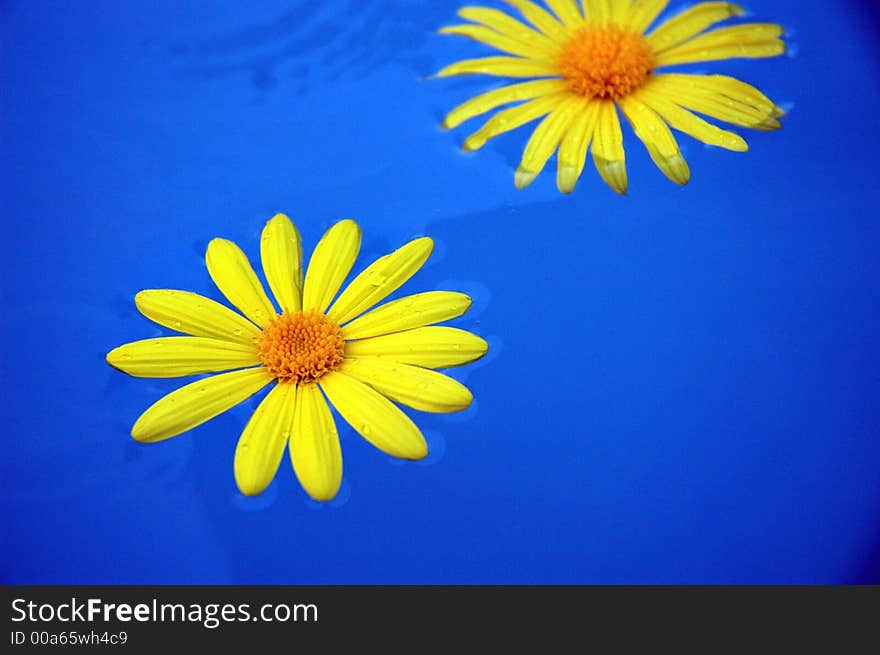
x=359 y=360
x=593 y=59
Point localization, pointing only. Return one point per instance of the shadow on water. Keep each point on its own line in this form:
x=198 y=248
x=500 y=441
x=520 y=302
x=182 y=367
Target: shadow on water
x=336 y=39
x=872 y=10
x=870 y=22
x=868 y=570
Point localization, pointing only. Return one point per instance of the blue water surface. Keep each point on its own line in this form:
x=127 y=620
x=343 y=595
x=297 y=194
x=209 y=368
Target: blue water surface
x=682 y=387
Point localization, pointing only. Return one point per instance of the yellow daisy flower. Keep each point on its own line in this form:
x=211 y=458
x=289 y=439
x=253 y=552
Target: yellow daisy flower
x=594 y=58
x=360 y=361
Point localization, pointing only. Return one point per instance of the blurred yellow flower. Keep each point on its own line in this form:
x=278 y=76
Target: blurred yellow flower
x=595 y=58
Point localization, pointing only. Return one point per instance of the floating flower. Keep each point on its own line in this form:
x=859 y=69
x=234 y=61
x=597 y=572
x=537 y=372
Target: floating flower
x=595 y=59
x=361 y=360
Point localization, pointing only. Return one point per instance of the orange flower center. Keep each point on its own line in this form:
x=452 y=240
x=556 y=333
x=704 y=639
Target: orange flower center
x=605 y=62
x=301 y=347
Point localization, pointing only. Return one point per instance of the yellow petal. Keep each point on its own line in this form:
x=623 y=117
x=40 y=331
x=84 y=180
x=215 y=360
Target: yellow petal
x=408 y=312
x=567 y=11
x=574 y=145
x=193 y=314
x=381 y=278
x=330 y=264
x=684 y=121
x=499 y=41
x=509 y=27
x=730 y=88
x=197 y=402
x=619 y=12
x=374 y=417
x=281 y=252
x=174 y=357
x=419 y=388
x=545 y=139
x=261 y=445
x=541 y=19
x=643 y=13
x=752 y=41
x=501 y=67
x=658 y=139
x=757 y=50
x=690 y=22
x=599 y=12
x=232 y=273
x=514 y=117
x=430 y=347
x=703 y=94
x=608 y=154
x=314 y=445
x=498 y=97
